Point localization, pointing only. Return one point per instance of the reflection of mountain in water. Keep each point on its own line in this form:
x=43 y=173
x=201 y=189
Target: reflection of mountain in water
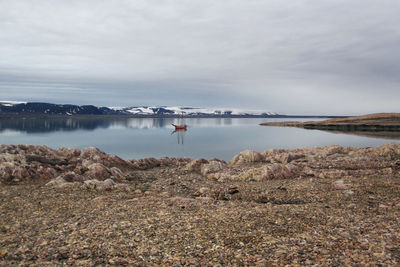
x=43 y=125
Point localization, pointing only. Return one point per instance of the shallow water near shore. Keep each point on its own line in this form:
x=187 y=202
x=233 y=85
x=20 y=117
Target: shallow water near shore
x=134 y=138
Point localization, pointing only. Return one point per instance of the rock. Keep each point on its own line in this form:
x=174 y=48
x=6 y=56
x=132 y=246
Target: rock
x=69 y=152
x=148 y=163
x=340 y=185
x=247 y=156
x=3 y=253
x=98 y=171
x=138 y=191
x=391 y=150
x=204 y=190
x=58 y=182
x=279 y=171
x=99 y=185
x=73 y=177
x=211 y=167
x=86 y=163
x=348 y=192
x=232 y=190
x=219 y=176
x=46 y=159
x=95 y=155
x=10 y=172
x=108 y=182
x=117 y=173
x=382 y=206
x=288 y=157
x=195 y=165
x=42 y=172
x=92 y=153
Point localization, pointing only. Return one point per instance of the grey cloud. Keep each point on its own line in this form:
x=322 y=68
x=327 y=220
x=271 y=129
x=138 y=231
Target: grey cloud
x=285 y=56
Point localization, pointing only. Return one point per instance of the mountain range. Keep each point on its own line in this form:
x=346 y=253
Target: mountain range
x=26 y=108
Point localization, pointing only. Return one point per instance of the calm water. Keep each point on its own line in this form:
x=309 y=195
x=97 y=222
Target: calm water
x=139 y=138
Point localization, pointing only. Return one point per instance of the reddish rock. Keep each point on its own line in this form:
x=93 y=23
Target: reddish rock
x=73 y=177
x=279 y=171
x=98 y=171
x=11 y=173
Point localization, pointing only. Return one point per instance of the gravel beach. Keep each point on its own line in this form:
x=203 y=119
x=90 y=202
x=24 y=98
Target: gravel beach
x=323 y=206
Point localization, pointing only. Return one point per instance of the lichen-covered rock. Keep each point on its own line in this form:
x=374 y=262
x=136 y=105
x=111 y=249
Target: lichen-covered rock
x=279 y=171
x=67 y=179
x=211 y=167
x=59 y=182
x=247 y=156
x=391 y=150
x=12 y=173
x=288 y=157
x=106 y=185
x=268 y=172
x=195 y=165
x=99 y=185
x=117 y=173
x=97 y=156
x=69 y=152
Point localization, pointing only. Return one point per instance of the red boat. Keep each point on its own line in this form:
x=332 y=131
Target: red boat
x=180 y=127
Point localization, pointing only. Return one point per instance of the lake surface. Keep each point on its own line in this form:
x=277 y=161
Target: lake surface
x=134 y=138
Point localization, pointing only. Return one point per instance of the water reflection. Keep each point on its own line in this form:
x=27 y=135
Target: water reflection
x=33 y=125
x=180 y=134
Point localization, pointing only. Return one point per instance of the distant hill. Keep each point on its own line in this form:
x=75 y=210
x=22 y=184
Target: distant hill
x=35 y=108
x=53 y=109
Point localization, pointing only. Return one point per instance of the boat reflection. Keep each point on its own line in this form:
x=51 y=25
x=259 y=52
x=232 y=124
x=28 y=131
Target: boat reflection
x=180 y=134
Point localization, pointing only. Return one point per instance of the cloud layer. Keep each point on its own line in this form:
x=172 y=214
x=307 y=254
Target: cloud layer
x=314 y=57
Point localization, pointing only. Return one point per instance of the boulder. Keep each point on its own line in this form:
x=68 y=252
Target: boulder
x=11 y=172
x=69 y=152
x=47 y=159
x=73 y=177
x=98 y=171
x=279 y=171
x=117 y=173
x=57 y=182
x=288 y=157
x=108 y=184
x=195 y=165
x=247 y=156
x=211 y=167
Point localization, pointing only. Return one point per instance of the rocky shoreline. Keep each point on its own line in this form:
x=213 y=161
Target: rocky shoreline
x=321 y=206
x=388 y=122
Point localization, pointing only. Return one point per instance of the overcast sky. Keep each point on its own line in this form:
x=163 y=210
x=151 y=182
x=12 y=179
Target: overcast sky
x=292 y=57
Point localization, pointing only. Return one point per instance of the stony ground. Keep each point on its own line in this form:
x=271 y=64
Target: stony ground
x=326 y=206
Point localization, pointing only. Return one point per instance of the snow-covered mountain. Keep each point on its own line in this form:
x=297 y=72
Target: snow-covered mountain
x=140 y=111
x=187 y=111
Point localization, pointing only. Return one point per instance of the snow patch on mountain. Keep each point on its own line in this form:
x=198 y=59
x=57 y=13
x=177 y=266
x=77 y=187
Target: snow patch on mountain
x=157 y=110
x=11 y=103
